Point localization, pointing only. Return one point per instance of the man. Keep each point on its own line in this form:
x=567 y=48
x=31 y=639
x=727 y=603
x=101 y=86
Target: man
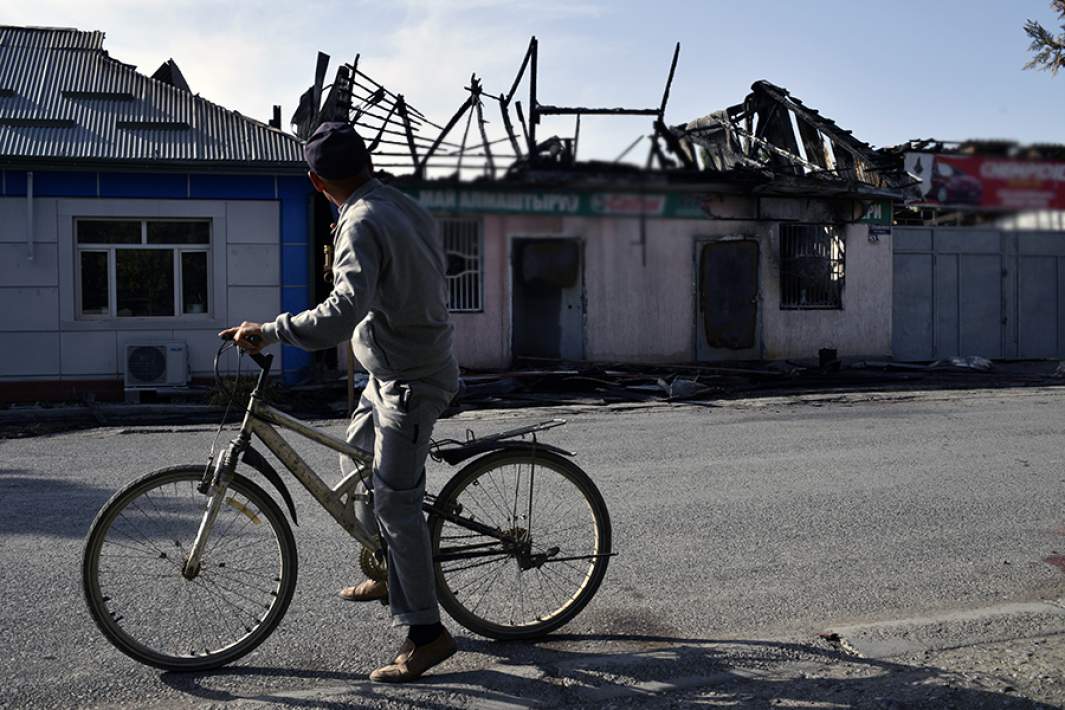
x=390 y=299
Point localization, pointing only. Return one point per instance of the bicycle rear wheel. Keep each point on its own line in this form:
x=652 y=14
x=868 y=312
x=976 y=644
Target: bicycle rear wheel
x=133 y=561
x=552 y=560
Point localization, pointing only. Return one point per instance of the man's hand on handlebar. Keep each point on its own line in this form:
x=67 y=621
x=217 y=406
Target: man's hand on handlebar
x=248 y=336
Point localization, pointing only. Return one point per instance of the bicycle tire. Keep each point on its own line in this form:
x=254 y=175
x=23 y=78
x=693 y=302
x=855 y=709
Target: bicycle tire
x=107 y=620
x=452 y=495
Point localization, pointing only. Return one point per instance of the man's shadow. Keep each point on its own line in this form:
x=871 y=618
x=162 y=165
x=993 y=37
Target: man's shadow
x=52 y=507
x=749 y=673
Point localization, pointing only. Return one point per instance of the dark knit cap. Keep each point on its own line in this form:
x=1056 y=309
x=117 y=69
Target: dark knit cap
x=336 y=151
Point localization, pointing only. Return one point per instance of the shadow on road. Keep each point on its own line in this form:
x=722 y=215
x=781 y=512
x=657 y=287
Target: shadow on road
x=748 y=673
x=34 y=505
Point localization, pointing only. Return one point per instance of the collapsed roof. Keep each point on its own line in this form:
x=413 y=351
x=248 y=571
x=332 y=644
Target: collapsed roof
x=775 y=133
x=997 y=147
x=403 y=138
x=772 y=137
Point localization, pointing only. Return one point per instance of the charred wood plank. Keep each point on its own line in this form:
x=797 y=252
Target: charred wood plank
x=573 y=110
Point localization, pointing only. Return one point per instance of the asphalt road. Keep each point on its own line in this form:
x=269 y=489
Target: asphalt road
x=743 y=531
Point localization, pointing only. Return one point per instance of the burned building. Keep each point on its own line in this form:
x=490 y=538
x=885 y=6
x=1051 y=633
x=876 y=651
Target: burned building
x=758 y=232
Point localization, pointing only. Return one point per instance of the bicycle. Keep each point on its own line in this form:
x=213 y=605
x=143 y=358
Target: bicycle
x=191 y=567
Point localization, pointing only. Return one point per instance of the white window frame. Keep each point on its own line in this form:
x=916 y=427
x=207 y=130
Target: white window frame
x=112 y=268
x=67 y=210
x=472 y=299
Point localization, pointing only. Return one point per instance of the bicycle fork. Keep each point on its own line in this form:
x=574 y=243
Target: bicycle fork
x=215 y=488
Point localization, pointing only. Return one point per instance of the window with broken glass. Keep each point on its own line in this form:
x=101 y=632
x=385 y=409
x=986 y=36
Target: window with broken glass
x=135 y=268
x=463 y=242
x=812 y=266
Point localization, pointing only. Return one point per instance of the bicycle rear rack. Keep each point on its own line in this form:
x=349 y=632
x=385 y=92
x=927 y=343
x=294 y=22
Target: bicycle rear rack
x=512 y=433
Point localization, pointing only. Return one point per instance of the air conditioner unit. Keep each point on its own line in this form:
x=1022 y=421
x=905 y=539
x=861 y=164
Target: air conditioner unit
x=156 y=365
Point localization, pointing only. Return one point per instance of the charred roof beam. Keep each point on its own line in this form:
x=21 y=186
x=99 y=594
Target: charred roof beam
x=575 y=110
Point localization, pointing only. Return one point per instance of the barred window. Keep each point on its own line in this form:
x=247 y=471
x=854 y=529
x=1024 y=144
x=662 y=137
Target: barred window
x=463 y=250
x=811 y=266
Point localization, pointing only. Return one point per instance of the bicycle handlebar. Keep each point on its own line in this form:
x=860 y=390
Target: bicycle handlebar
x=263 y=361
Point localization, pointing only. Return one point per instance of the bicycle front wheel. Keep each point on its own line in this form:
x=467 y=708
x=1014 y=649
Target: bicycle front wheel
x=135 y=555
x=553 y=555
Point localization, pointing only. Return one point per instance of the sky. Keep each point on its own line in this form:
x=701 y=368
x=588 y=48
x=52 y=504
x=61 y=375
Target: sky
x=889 y=72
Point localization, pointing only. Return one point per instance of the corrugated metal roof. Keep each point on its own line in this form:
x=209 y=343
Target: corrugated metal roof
x=118 y=114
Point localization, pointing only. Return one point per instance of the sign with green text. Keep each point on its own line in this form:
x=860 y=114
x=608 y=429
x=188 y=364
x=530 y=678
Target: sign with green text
x=578 y=203
x=569 y=203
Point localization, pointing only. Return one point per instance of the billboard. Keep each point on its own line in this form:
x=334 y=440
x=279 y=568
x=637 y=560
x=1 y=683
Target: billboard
x=988 y=182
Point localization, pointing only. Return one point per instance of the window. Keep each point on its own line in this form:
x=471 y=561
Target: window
x=132 y=268
x=462 y=249
x=811 y=266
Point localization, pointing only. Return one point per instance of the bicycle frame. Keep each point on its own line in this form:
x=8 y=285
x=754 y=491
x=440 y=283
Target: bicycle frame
x=260 y=420
x=337 y=500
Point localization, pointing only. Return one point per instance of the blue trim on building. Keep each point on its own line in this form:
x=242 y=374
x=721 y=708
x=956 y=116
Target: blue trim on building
x=296 y=364
x=214 y=186
x=14 y=183
x=295 y=298
x=292 y=192
x=55 y=184
x=295 y=264
x=295 y=215
x=293 y=186
x=141 y=185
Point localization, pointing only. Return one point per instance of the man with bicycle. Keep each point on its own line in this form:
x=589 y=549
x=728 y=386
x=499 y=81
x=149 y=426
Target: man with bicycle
x=389 y=298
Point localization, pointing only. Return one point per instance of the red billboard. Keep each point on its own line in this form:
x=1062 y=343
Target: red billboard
x=988 y=182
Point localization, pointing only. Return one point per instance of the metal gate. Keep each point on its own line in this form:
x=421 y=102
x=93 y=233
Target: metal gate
x=961 y=291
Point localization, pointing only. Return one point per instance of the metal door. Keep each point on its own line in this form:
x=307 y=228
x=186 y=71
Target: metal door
x=727 y=298
x=548 y=297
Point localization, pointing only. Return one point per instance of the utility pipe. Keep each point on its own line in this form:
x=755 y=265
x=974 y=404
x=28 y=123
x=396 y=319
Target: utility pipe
x=29 y=215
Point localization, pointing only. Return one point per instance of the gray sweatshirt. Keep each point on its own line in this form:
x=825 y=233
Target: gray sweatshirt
x=389 y=292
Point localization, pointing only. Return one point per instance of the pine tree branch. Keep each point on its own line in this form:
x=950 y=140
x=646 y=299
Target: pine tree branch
x=1048 y=50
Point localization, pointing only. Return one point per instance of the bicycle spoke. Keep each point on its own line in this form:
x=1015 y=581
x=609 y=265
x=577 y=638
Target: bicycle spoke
x=196 y=612
x=250 y=614
x=250 y=573
x=449 y=570
x=135 y=544
x=221 y=540
x=490 y=585
x=244 y=547
x=221 y=586
x=138 y=531
x=238 y=580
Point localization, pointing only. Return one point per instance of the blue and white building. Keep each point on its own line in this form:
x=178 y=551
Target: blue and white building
x=135 y=213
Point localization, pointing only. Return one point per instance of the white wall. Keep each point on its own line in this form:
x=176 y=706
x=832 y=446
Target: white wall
x=862 y=328
x=41 y=336
x=640 y=298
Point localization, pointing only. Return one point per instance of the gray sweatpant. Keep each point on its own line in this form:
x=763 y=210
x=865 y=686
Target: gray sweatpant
x=395 y=420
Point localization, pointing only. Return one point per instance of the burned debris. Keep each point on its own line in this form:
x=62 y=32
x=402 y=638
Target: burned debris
x=775 y=133
x=404 y=140
x=583 y=383
x=770 y=136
